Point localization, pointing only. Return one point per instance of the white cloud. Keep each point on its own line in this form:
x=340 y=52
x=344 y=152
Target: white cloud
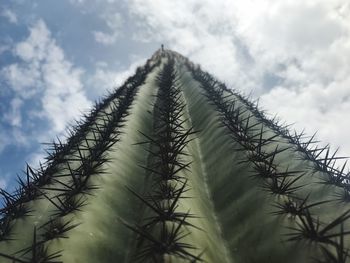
x=3 y=138
x=316 y=108
x=3 y=48
x=36 y=158
x=9 y=15
x=114 y=22
x=77 y=2
x=304 y=44
x=24 y=79
x=201 y=30
x=3 y=183
x=105 y=38
x=44 y=79
x=14 y=116
x=105 y=79
x=5 y=180
x=90 y=3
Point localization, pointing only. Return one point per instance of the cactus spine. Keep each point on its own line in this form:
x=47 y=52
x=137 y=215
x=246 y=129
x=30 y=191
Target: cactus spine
x=175 y=167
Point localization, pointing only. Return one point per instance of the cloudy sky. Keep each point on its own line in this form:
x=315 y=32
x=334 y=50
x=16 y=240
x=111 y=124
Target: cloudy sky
x=57 y=57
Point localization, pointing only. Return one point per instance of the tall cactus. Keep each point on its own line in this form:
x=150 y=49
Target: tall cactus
x=175 y=167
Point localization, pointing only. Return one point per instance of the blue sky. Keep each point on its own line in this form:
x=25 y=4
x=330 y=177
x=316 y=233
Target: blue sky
x=57 y=57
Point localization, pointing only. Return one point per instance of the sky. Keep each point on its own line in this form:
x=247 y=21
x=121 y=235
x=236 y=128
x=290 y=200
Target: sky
x=58 y=57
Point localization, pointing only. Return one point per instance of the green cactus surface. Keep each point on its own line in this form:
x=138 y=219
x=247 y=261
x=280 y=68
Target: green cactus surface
x=175 y=167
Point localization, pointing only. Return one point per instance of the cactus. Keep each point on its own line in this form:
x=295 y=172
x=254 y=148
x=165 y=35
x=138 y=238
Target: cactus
x=175 y=167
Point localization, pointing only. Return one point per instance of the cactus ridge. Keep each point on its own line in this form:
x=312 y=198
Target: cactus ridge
x=163 y=230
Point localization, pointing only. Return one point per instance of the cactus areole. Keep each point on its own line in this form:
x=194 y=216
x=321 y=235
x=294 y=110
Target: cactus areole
x=175 y=167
